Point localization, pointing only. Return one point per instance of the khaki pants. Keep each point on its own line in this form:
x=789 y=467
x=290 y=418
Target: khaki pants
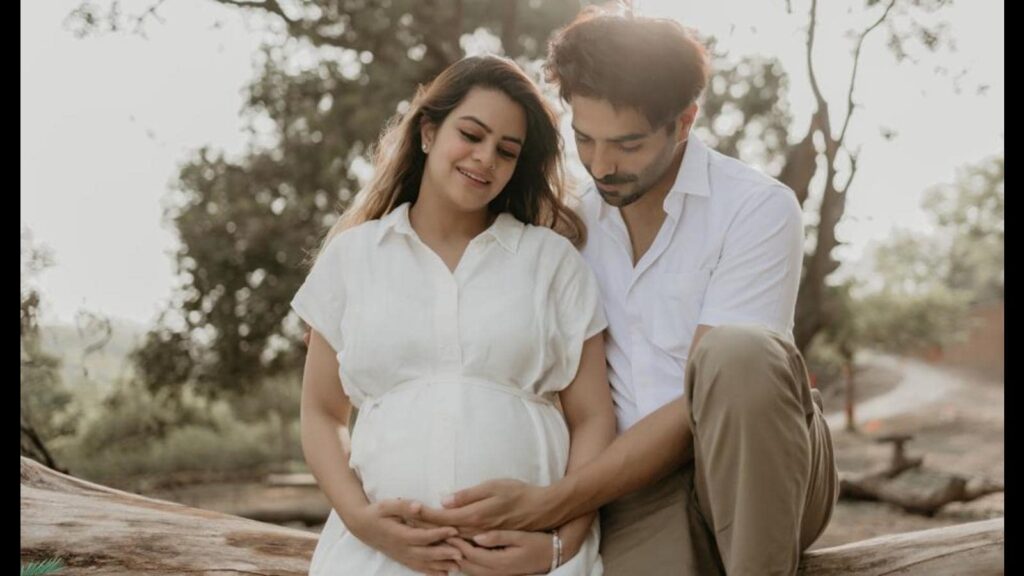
x=763 y=482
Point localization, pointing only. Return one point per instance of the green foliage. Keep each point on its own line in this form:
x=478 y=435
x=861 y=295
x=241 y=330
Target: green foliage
x=745 y=112
x=232 y=448
x=138 y=433
x=47 y=408
x=912 y=322
x=132 y=418
x=969 y=217
x=923 y=285
x=326 y=84
x=247 y=225
x=40 y=568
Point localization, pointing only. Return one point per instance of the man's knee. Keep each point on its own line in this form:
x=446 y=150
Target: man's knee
x=739 y=348
x=736 y=359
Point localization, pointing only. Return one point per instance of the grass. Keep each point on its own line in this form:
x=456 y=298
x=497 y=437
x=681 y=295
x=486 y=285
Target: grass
x=39 y=568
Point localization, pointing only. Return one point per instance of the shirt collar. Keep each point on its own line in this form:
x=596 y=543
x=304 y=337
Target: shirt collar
x=692 y=177
x=506 y=229
x=396 y=221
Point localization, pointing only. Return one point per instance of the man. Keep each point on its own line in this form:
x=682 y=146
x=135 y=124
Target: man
x=724 y=463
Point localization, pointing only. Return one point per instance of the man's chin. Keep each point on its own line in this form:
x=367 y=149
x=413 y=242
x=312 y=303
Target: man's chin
x=619 y=199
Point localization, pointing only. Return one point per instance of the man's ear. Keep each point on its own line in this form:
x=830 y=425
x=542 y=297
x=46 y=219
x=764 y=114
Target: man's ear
x=684 y=122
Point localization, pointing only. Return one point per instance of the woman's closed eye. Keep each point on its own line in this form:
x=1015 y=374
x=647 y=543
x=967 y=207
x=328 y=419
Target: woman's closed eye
x=511 y=155
x=470 y=136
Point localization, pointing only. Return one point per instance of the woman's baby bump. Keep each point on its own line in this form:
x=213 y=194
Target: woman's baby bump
x=428 y=439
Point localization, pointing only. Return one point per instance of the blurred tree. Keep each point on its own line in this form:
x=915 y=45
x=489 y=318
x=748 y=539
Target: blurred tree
x=745 y=112
x=46 y=405
x=745 y=115
x=247 y=225
x=968 y=215
x=327 y=84
x=921 y=286
x=909 y=26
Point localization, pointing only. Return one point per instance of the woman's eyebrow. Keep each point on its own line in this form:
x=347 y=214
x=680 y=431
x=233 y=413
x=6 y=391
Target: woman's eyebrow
x=489 y=130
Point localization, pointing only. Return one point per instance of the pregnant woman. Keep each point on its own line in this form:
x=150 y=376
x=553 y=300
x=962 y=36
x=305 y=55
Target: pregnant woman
x=450 y=306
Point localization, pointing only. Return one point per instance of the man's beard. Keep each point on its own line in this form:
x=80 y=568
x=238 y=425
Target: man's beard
x=623 y=198
x=641 y=183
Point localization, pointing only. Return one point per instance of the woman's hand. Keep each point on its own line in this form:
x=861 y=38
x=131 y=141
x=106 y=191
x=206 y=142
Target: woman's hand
x=505 y=553
x=382 y=525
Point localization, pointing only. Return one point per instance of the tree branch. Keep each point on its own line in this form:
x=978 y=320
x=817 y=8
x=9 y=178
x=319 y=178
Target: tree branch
x=810 y=61
x=140 y=20
x=853 y=76
x=853 y=171
x=28 y=431
x=509 y=33
x=271 y=6
x=296 y=27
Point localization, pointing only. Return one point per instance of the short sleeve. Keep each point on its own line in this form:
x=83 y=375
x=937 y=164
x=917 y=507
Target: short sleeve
x=577 y=315
x=758 y=276
x=580 y=310
x=320 y=300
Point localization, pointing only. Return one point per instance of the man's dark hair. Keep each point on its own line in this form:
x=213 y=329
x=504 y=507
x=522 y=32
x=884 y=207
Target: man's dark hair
x=651 y=64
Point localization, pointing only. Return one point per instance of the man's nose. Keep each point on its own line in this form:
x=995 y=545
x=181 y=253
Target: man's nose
x=602 y=164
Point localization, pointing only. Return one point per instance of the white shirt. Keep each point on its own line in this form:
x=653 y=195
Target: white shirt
x=729 y=252
x=454 y=373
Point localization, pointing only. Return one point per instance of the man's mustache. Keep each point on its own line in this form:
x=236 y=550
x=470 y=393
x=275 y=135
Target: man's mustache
x=616 y=180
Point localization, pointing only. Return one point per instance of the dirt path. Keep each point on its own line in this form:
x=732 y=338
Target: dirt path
x=921 y=385
x=957 y=420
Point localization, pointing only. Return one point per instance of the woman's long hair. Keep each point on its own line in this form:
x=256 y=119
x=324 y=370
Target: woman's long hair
x=536 y=192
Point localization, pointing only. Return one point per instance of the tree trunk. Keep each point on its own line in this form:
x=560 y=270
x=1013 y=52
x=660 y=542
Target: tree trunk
x=917 y=490
x=974 y=548
x=801 y=164
x=98 y=530
x=509 y=30
x=851 y=396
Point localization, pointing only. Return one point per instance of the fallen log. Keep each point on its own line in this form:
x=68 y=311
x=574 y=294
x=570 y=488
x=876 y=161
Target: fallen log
x=99 y=530
x=904 y=482
x=974 y=548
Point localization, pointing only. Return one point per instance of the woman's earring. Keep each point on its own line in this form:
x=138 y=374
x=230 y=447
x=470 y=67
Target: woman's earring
x=425 y=147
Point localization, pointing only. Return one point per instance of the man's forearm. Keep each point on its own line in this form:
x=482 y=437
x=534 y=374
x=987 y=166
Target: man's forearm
x=647 y=452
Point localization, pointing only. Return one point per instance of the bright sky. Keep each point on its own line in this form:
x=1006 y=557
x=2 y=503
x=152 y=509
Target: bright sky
x=107 y=120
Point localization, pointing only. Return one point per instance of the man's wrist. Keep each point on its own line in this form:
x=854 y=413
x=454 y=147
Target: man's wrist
x=555 y=501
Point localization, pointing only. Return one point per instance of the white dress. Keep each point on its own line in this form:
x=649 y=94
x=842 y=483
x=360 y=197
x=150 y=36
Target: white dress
x=454 y=374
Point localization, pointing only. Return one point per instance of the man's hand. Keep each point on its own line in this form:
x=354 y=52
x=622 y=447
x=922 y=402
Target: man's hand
x=496 y=504
x=505 y=552
x=382 y=525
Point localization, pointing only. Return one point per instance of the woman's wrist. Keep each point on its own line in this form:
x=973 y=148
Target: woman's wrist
x=573 y=534
x=556 y=551
x=356 y=519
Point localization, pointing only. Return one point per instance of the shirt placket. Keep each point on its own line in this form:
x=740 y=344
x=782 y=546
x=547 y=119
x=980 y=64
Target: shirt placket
x=638 y=347
x=641 y=294
x=446 y=319
x=449 y=398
